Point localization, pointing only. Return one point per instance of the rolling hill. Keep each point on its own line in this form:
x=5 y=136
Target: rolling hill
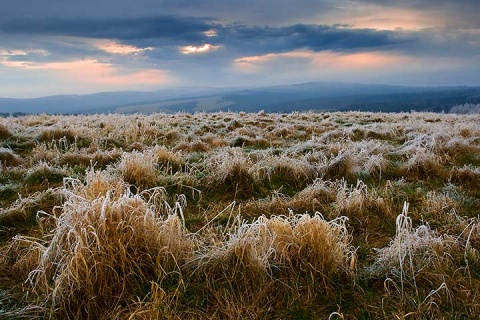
x=284 y=98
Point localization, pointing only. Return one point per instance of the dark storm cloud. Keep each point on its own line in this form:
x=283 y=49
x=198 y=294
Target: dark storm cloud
x=236 y=38
x=252 y=12
x=256 y=40
x=182 y=28
x=248 y=11
x=272 y=25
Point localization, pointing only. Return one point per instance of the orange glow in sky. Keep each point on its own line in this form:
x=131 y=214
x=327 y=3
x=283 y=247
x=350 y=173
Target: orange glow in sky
x=321 y=60
x=373 y=17
x=94 y=71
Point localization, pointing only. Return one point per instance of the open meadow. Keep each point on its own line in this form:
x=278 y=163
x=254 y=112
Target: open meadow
x=240 y=216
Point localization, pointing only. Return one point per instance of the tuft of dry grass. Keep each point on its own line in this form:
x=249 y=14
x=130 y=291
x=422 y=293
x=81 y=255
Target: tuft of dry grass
x=424 y=163
x=139 y=169
x=9 y=159
x=443 y=211
x=282 y=258
x=4 y=132
x=412 y=252
x=167 y=158
x=193 y=146
x=68 y=136
x=44 y=174
x=24 y=213
x=230 y=168
x=87 y=158
x=43 y=153
x=105 y=254
x=466 y=175
x=97 y=184
x=286 y=170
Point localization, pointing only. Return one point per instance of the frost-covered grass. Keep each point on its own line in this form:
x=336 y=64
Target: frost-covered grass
x=238 y=215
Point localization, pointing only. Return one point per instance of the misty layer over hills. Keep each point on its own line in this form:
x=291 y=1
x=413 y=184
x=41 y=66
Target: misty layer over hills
x=315 y=96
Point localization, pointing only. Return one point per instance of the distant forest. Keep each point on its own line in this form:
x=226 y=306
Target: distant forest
x=317 y=97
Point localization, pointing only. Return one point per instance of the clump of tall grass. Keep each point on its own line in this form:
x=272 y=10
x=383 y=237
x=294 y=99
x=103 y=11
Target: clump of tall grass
x=442 y=210
x=317 y=196
x=357 y=200
x=287 y=170
x=192 y=146
x=457 y=148
x=380 y=133
x=68 y=135
x=424 y=272
x=60 y=151
x=340 y=166
x=425 y=164
x=139 y=169
x=24 y=210
x=97 y=184
x=282 y=258
x=320 y=195
x=104 y=254
x=242 y=141
x=467 y=175
x=9 y=159
x=43 y=153
x=230 y=168
x=167 y=158
x=414 y=254
x=214 y=141
x=97 y=158
x=319 y=190
x=43 y=173
x=4 y=132
x=274 y=204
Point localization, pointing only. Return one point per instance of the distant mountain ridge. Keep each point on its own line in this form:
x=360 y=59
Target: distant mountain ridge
x=282 y=98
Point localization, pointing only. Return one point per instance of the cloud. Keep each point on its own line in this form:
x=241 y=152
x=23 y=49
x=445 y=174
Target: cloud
x=205 y=48
x=12 y=52
x=262 y=40
x=114 y=47
x=6 y=53
x=251 y=12
x=265 y=12
x=169 y=27
x=194 y=35
x=211 y=33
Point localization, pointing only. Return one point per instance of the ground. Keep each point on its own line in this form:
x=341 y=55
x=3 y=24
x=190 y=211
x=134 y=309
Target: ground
x=240 y=215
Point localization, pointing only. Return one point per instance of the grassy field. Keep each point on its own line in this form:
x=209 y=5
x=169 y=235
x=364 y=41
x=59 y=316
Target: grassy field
x=240 y=216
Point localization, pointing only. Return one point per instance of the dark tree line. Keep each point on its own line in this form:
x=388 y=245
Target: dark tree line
x=15 y=114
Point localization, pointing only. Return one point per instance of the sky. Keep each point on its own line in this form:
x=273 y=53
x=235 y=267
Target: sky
x=50 y=47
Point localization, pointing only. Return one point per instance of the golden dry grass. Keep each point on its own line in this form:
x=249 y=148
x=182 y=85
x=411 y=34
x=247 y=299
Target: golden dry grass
x=9 y=159
x=238 y=215
x=4 y=131
x=106 y=252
